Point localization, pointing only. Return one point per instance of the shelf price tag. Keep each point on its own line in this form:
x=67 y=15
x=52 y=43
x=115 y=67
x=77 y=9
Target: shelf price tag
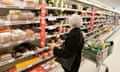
x=52 y=18
x=6 y=45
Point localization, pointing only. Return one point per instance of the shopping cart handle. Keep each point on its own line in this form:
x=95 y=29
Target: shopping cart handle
x=111 y=43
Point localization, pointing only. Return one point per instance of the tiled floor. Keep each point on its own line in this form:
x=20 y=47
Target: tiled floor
x=113 y=61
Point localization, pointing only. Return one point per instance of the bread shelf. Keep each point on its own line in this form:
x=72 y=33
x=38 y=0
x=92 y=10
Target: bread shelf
x=16 y=43
x=55 y=35
x=9 y=23
x=18 y=7
x=53 y=26
x=25 y=55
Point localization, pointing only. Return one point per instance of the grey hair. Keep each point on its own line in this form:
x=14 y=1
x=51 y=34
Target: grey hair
x=75 y=20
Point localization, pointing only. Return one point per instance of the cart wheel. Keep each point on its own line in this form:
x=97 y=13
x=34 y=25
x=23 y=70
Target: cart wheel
x=107 y=70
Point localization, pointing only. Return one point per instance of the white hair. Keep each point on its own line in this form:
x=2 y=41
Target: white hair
x=75 y=20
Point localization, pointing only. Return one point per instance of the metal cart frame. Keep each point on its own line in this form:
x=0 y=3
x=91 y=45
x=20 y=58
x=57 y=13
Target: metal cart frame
x=99 y=58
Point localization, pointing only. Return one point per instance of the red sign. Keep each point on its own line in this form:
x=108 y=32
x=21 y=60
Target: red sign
x=43 y=24
x=92 y=19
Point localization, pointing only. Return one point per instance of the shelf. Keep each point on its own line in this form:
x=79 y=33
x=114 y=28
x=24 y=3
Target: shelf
x=62 y=9
x=18 y=7
x=25 y=55
x=100 y=21
x=8 y=23
x=50 y=36
x=100 y=16
x=66 y=9
x=54 y=8
x=16 y=43
x=85 y=22
x=53 y=18
x=54 y=35
x=51 y=27
x=86 y=16
x=36 y=63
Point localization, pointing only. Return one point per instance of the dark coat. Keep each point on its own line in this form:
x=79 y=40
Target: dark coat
x=71 y=49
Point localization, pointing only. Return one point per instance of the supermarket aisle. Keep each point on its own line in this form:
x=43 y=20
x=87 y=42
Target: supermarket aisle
x=113 y=61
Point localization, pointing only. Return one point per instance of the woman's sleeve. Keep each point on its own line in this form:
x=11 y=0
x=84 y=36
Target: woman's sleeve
x=71 y=47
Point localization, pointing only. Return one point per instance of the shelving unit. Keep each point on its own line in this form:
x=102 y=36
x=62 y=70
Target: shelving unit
x=57 y=26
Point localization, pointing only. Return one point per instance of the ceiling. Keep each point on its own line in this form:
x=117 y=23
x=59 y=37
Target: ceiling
x=112 y=3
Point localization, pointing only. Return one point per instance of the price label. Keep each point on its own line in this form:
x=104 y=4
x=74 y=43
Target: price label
x=28 y=22
x=58 y=36
x=6 y=45
x=52 y=18
x=12 y=60
x=21 y=7
x=32 y=39
x=63 y=9
x=32 y=52
x=51 y=27
x=19 y=42
x=37 y=22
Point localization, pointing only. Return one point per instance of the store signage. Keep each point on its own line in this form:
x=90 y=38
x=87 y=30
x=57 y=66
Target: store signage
x=92 y=19
x=43 y=24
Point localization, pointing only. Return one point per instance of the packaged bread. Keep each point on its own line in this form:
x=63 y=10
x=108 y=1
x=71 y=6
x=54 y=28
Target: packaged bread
x=29 y=3
x=23 y=16
x=14 y=15
x=8 y=2
x=5 y=38
x=30 y=15
x=18 y=35
x=30 y=33
x=5 y=57
x=36 y=3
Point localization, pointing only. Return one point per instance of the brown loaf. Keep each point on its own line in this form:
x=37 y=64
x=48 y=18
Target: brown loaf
x=7 y=2
x=30 y=33
x=29 y=1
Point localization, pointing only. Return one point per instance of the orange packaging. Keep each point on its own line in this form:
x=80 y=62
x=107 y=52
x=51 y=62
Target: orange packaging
x=4 y=30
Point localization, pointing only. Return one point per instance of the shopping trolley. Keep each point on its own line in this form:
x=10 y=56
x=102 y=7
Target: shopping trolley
x=99 y=56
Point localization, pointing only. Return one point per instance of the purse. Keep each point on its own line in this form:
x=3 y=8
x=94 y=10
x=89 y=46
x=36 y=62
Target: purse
x=66 y=62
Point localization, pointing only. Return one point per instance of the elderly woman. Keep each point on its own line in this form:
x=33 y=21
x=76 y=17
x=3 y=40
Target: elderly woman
x=69 y=53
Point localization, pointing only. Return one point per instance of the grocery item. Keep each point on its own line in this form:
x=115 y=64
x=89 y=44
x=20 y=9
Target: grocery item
x=37 y=68
x=29 y=3
x=94 y=45
x=26 y=63
x=18 y=34
x=5 y=57
x=5 y=38
x=30 y=33
x=18 y=15
x=8 y=2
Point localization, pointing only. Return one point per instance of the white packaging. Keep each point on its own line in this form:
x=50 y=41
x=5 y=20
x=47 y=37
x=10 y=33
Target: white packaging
x=5 y=38
x=18 y=35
